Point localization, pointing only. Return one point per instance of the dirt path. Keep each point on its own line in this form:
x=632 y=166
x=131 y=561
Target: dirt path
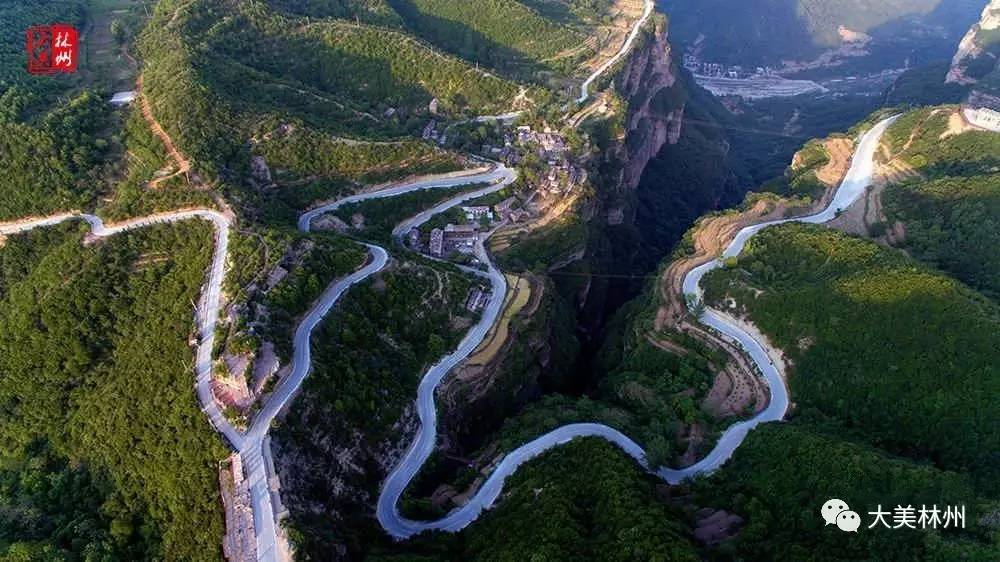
x=182 y=163
x=840 y=151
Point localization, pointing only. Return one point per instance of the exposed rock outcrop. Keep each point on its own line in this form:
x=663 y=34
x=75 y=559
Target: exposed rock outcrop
x=537 y=354
x=655 y=117
x=975 y=45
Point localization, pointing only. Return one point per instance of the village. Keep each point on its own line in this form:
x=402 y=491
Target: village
x=550 y=176
x=718 y=70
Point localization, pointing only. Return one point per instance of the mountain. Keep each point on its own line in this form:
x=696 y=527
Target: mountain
x=976 y=61
x=882 y=325
x=855 y=35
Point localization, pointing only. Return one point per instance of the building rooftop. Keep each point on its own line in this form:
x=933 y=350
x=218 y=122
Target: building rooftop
x=123 y=98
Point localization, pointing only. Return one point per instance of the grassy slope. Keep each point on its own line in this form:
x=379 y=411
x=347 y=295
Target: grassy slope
x=368 y=356
x=583 y=501
x=48 y=130
x=502 y=34
x=216 y=70
x=307 y=152
x=783 y=473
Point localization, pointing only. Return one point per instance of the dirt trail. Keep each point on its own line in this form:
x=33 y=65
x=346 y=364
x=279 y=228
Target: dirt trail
x=840 y=151
x=182 y=163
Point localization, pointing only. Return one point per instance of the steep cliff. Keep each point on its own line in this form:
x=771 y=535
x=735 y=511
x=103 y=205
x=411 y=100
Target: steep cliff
x=979 y=50
x=672 y=166
x=535 y=357
x=656 y=113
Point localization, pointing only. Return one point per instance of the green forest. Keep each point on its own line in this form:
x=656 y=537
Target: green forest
x=951 y=211
x=51 y=133
x=307 y=153
x=915 y=336
x=368 y=356
x=503 y=34
x=221 y=72
x=320 y=258
x=783 y=473
x=96 y=399
x=583 y=501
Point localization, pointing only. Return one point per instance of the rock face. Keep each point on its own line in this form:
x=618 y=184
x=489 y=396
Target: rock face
x=670 y=167
x=655 y=116
x=975 y=45
x=537 y=355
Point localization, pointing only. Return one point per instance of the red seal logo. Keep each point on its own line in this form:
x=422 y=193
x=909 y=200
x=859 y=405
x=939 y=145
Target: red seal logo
x=52 y=48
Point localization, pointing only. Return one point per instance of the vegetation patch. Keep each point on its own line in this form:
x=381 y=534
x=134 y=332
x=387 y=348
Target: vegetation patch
x=97 y=390
x=890 y=341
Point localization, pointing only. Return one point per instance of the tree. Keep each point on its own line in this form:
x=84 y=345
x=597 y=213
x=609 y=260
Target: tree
x=695 y=306
x=119 y=31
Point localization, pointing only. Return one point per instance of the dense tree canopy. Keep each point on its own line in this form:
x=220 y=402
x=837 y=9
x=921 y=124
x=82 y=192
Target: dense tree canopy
x=95 y=362
x=890 y=350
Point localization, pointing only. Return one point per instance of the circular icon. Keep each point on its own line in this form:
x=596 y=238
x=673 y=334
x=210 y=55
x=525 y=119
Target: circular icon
x=849 y=521
x=831 y=509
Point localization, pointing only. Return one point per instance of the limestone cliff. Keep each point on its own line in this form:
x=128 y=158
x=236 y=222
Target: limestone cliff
x=978 y=48
x=655 y=117
x=666 y=164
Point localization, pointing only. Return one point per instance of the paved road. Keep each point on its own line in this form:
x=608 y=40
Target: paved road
x=859 y=176
x=250 y=444
x=258 y=472
x=647 y=11
x=495 y=174
x=421 y=448
x=208 y=306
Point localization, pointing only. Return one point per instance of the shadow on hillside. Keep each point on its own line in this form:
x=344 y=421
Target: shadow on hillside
x=254 y=91
x=963 y=168
x=464 y=42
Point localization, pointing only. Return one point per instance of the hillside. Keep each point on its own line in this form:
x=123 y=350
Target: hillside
x=780 y=477
x=976 y=58
x=915 y=335
x=214 y=70
x=584 y=501
x=96 y=397
x=45 y=120
x=948 y=207
x=502 y=34
x=895 y=410
x=347 y=363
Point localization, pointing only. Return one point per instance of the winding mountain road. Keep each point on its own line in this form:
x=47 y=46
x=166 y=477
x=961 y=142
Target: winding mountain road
x=858 y=178
x=208 y=306
x=647 y=10
x=250 y=444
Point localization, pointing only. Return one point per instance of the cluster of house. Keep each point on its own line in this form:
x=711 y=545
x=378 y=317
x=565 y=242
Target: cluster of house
x=561 y=177
x=718 y=70
x=477 y=299
x=550 y=146
x=462 y=238
x=431 y=133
